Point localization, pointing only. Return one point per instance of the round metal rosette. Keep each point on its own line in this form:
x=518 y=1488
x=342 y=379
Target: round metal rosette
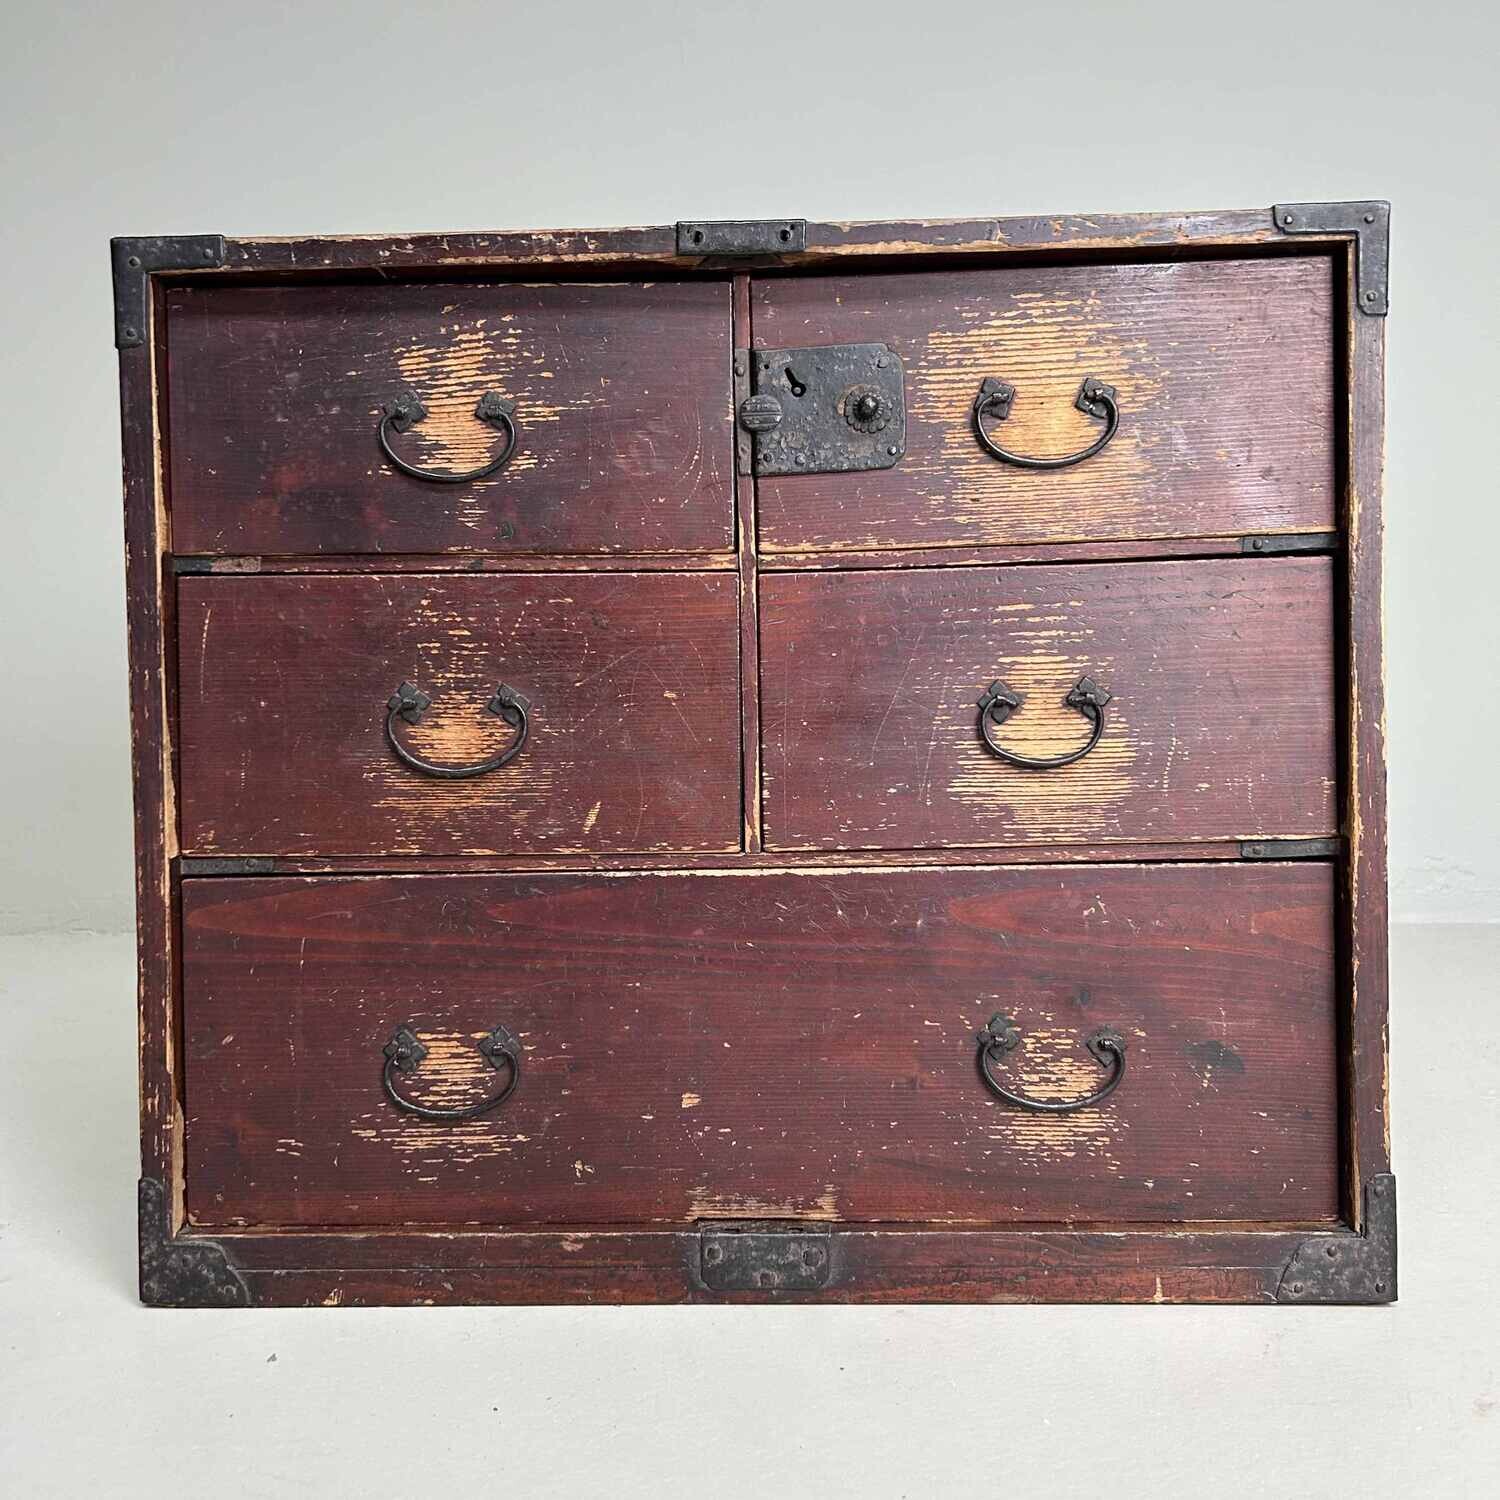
x=866 y=409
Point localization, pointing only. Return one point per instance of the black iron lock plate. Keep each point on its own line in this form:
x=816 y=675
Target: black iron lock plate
x=756 y=1257
x=836 y=409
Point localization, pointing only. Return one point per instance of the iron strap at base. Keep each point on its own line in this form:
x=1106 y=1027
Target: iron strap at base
x=754 y=1256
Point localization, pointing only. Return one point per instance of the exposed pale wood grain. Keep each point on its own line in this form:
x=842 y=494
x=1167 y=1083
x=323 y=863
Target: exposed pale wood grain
x=1221 y=724
x=622 y=394
x=1225 y=378
x=634 y=735
x=779 y=1046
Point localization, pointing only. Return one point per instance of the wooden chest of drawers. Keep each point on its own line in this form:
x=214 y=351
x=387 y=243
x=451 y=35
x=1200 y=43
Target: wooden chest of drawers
x=761 y=761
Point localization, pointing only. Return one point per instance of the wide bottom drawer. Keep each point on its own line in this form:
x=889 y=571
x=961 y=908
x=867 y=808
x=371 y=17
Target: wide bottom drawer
x=798 y=1044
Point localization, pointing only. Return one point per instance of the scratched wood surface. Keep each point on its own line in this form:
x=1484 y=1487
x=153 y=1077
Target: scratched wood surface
x=786 y=1046
x=1226 y=391
x=634 y=719
x=622 y=394
x=1220 y=726
x=870 y=1264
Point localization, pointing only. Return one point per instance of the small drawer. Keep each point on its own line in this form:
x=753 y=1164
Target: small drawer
x=869 y=1048
x=1223 y=382
x=283 y=402
x=422 y=714
x=1095 y=704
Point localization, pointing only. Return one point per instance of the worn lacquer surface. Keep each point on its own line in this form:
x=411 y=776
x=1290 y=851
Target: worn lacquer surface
x=632 y=682
x=764 y=1045
x=1219 y=726
x=1225 y=378
x=621 y=393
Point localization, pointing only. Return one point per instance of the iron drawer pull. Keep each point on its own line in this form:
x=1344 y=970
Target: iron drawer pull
x=407 y=702
x=1002 y=1035
x=1095 y=399
x=999 y=703
x=407 y=410
x=404 y=1054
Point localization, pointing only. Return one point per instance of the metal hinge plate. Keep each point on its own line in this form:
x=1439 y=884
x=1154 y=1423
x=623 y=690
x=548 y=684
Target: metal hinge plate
x=135 y=258
x=834 y=409
x=738 y=238
x=1370 y=224
x=751 y=1256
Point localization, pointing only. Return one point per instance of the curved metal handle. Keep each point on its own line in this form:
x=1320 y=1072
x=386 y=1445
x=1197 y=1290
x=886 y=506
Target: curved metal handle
x=1002 y=1035
x=1095 y=399
x=404 y=1053
x=407 y=410
x=407 y=702
x=999 y=703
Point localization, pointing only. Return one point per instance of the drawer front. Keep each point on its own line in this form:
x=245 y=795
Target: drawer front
x=782 y=1045
x=301 y=713
x=1225 y=388
x=1219 y=722
x=621 y=399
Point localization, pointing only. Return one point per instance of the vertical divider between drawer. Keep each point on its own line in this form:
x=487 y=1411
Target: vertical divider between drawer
x=742 y=342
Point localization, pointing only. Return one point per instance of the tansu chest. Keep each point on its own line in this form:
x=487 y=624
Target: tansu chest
x=762 y=761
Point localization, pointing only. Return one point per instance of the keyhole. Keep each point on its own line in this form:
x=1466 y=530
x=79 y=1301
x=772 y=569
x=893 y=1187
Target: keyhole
x=797 y=387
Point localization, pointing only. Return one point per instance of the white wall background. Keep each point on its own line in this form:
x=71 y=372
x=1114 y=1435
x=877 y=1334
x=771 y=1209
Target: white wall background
x=271 y=118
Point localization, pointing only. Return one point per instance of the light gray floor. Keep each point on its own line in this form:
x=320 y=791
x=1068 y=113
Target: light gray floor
x=100 y=1397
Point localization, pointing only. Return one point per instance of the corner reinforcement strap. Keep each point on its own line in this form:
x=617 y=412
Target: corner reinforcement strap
x=134 y=258
x=1333 y=1268
x=1369 y=222
x=181 y=1272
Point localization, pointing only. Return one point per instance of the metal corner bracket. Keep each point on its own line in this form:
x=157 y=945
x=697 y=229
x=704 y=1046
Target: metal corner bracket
x=1349 y=1268
x=135 y=257
x=181 y=1272
x=1369 y=222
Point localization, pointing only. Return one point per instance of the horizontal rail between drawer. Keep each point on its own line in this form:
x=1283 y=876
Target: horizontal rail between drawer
x=769 y=862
